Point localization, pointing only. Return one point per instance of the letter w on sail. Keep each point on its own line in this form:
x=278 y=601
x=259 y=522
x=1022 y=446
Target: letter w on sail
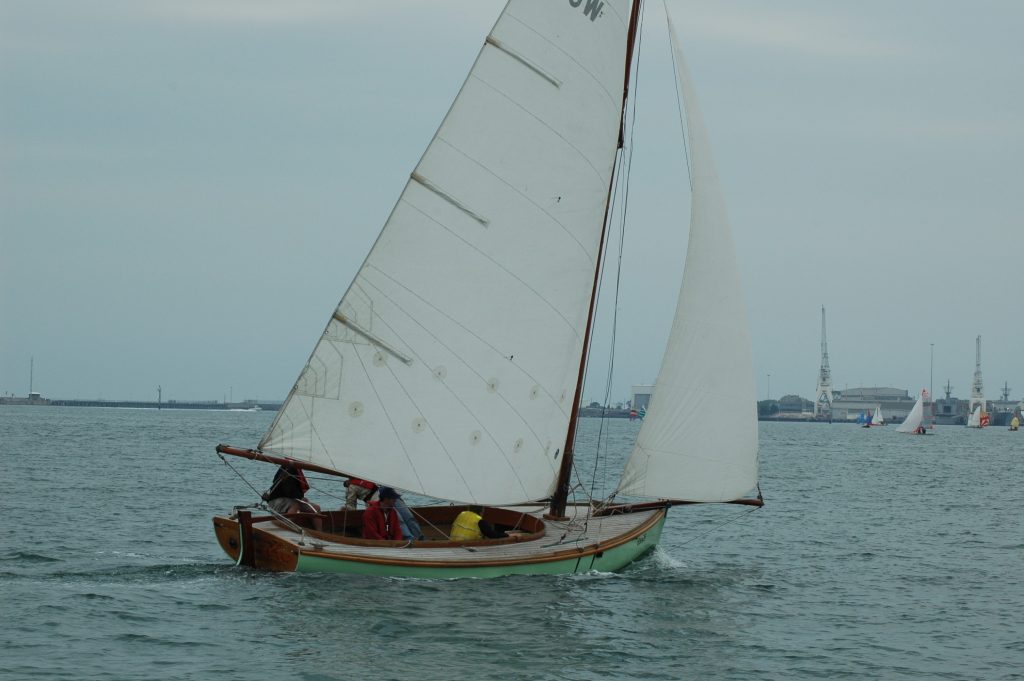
x=592 y=9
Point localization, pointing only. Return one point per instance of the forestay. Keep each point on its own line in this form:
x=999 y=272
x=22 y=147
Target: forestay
x=450 y=364
x=694 y=444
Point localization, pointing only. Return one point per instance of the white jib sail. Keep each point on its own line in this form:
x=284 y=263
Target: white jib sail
x=914 y=418
x=693 y=444
x=450 y=365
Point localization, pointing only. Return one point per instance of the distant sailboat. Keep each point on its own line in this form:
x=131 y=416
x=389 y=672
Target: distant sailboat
x=877 y=419
x=872 y=418
x=914 y=423
x=978 y=418
x=453 y=365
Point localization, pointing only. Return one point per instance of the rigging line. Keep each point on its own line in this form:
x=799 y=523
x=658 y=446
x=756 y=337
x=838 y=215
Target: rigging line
x=294 y=527
x=599 y=460
x=679 y=104
x=228 y=464
x=321 y=490
x=620 y=162
x=738 y=516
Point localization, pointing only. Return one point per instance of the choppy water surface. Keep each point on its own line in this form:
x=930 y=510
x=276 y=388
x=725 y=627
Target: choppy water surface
x=878 y=556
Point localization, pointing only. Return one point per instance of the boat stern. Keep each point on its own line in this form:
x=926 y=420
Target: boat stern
x=254 y=547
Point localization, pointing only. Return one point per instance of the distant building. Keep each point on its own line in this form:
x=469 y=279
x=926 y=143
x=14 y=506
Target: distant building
x=895 y=403
x=34 y=399
x=951 y=411
x=642 y=396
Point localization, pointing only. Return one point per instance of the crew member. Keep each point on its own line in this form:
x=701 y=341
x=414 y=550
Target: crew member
x=380 y=520
x=471 y=526
x=355 y=490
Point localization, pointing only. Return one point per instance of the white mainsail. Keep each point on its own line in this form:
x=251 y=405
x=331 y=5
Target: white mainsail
x=692 y=445
x=915 y=418
x=449 y=367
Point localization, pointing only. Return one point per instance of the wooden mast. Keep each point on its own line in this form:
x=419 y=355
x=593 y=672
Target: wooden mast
x=561 y=495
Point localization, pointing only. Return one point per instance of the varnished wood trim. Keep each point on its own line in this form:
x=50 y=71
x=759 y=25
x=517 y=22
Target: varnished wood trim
x=433 y=518
x=256 y=455
x=665 y=503
x=227 y=536
x=269 y=552
x=561 y=555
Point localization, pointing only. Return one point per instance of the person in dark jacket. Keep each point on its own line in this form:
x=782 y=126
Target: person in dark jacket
x=380 y=520
x=288 y=491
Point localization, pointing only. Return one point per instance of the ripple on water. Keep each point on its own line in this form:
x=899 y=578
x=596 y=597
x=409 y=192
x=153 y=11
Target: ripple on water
x=851 y=570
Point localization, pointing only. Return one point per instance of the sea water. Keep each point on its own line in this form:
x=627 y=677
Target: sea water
x=877 y=556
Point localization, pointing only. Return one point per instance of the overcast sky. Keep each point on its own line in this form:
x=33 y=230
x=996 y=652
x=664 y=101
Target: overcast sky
x=187 y=187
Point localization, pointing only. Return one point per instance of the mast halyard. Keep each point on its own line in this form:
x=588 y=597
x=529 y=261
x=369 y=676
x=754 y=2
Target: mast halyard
x=561 y=495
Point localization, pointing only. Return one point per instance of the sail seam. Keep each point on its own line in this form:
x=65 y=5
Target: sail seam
x=427 y=184
x=497 y=264
x=611 y=97
x=387 y=415
x=313 y=431
x=543 y=123
x=538 y=439
x=440 y=442
x=511 y=186
x=494 y=42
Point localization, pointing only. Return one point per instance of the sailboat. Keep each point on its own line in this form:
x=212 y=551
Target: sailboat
x=978 y=418
x=870 y=418
x=877 y=419
x=914 y=423
x=452 y=367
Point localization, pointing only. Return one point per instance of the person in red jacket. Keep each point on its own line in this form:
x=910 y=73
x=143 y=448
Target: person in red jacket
x=380 y=520
x=355 y=490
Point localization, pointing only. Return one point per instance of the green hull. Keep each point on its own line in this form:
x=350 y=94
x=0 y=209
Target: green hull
x=606 y=561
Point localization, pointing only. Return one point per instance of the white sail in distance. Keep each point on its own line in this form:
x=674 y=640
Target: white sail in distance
x=450 y=365
x=915 y=418
x=876 y=418
x=699 y=441
x=974 y=421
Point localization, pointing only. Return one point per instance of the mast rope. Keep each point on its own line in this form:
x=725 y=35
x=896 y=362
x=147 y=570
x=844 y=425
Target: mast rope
x=735 y=518
x=295 y=527
x=243 y=478
x=679 y=106
x=625 y=167
x=298 y=528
